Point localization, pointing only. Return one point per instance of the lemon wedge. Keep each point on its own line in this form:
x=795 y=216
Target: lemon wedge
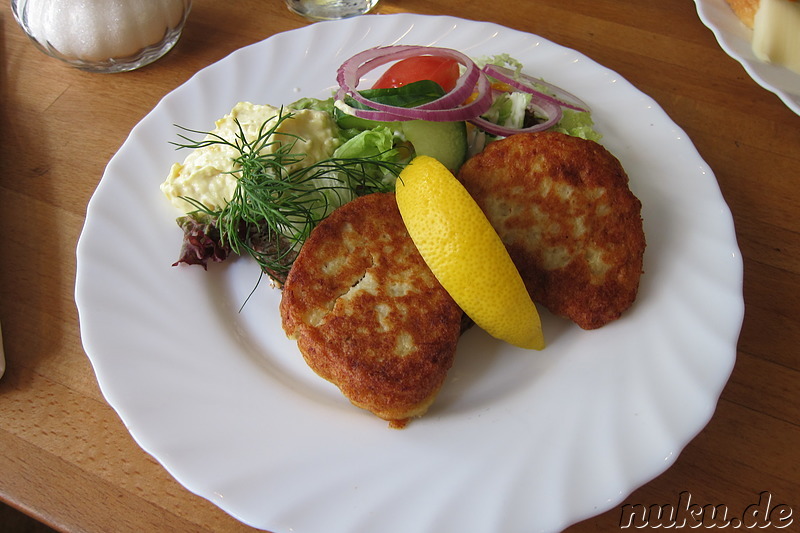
x=465 y=253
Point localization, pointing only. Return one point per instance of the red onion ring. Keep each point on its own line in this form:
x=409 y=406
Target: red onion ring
x=451 y=107
x=552 y=110
x=375 y=57
x=447 y=108
x=507 y=76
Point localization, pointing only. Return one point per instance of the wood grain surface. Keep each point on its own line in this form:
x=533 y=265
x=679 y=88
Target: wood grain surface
x=65 y=457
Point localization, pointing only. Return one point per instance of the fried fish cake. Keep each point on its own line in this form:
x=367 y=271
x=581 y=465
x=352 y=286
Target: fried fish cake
x=564 y=210
x=368 y=314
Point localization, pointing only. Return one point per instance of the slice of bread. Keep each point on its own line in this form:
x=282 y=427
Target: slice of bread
x=745 y=10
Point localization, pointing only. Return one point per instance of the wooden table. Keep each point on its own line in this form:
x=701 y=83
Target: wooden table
x=65 y=457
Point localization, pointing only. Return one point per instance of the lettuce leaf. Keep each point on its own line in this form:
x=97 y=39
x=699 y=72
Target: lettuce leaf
x=578 y=124
x=379 y=144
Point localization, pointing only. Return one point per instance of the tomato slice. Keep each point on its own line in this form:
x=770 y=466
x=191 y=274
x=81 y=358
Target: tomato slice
x=442 y=70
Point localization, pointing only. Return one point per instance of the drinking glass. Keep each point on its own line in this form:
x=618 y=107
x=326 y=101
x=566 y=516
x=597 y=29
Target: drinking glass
x=330 y=9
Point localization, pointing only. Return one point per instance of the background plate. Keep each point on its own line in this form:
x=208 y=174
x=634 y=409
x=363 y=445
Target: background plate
x=517 y=441
x=734 y=38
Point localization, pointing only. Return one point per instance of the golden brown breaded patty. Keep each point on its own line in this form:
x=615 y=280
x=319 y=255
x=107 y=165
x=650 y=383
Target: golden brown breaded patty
x=563 y=208
x=368 y=314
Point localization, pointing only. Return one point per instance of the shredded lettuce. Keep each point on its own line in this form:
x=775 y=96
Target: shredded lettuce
x=578 y=124
x=508 y=109
x=500 y=60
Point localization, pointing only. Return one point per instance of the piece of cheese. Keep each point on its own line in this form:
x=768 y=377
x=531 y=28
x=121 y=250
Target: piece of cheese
x=776 y=33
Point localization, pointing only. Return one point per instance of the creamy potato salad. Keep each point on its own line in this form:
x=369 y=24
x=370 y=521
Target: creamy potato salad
x=206 y=173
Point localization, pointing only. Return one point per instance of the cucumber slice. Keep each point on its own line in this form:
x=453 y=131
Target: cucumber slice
x=444 y=141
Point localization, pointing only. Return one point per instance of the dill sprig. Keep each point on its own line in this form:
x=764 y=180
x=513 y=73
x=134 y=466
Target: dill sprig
x=276 y=202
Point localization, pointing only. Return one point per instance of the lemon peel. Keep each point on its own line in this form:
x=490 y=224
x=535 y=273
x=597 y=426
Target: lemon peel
x=464 y=252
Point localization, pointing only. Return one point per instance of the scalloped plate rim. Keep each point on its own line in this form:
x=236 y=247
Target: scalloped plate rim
x=167 y=449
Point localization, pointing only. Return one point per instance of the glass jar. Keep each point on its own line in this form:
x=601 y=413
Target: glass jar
x=103 y=35
x=330 y=9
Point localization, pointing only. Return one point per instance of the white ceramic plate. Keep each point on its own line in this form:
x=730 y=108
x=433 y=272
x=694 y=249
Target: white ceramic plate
x=734 y=38
x=517 y=441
